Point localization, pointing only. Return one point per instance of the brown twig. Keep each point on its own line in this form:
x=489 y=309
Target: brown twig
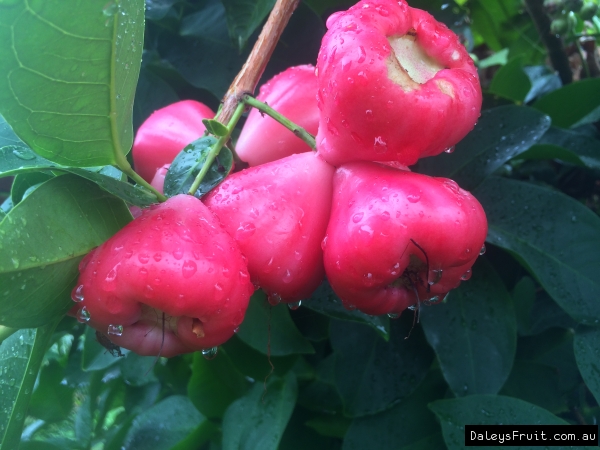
x=554 y=44
x=245 y=82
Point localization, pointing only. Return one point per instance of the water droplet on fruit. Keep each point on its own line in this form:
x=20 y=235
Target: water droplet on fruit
x=466 y=275
x=435 y=277
x=412 y=307
x=431 y=301
x=143 y=258
x=188 y=268
x=295 y=305
x=218 y=287
x=274 y=299
x=77 y=294
x=379 y=145
x=346 y=64
x=83 y=315
x=157 y=256
x=356 y=138
x=245 y=230
x=178 y=253
x=115 y=330
x=361 y=54
x=110 y=283
x=482 y=251
x=449 y=150
x=287 y=276
x=210 y=353
x=357 y=217
x=414 y=197
x=394 y=315
x=385 y=215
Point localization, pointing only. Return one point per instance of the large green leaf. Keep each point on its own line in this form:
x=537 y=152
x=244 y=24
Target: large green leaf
x=215 y=384
x=166 y=424
x=567 y=145
x=21 y=356
x=326 y=302
x=500 y=134
x=244 y=16
x=270 y=328
x=511 y=82
x=587 y=353
x=407 y=423
x=371 y=374
x=68 y=72
x=572 y=105
x=43 y=239
x=258 y=419
x=555 y=237
x=474 y=333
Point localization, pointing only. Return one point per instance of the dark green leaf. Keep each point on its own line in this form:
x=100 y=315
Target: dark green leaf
x=244 y=17
x=152 y=92
x=51 y=400
x=15 y=159
x=24 y=182
x=215 y=127
x=258 y=419
x=321 y=395
x=137 y=370
x=454 y=414
x=572 y=105
x=271 y=327
x=474 y=333
x=331 y=425
x=523 y=296
x=215 y=384
x=500 y=134
x=587 y=354
x=371 y=374
x=189 y=162
x=298 y=436
x=511 y=82
x=68 y=75
x=158 y=9
x=326 y=302
x=21 y=356
x=543 y=80
x=43 y=239
x=164 y=425
x=556 y=238
x=407 y=423
x=567 y=145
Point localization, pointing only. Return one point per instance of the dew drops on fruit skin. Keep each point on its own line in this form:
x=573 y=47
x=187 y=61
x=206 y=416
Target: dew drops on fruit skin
x=357 y=217
x=482 y=251
x=77 y=294
x=188 y=269
x=467 y=275
x=395 y=315
x=209 y=353
x=83 y=315
x=295 y=305
x=115 y=330
x=274 y=299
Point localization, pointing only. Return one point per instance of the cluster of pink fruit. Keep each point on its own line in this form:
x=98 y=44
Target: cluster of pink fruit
x=391 y=85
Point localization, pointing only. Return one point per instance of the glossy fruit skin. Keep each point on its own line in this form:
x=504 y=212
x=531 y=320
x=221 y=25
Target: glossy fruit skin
x=292 y=93
x=158 y=181
x=165 y=133
x=177 y=259
x=372 y=109
x=383 y=222
x=278 y=213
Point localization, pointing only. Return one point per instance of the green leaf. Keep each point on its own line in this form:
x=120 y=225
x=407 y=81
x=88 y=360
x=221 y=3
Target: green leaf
x=404 y=424
x=566 y=145
x=474 y=333
x=43 y=239
x=51 y=400
x=21 y=356
x=189 y=162
x=271 y=327
x=326 y=302
x=500 y=134
x=136 y=370
x=215 y=384
x=572 y=105
x=15 y=159
x=24 y=183
x=321 y=394
x=454 y=414
x=164 y=425
x=543 y=80
x=372 y=374
x=555 y=237
x=244 y=17
x=215 y=127
x=587 y=349
x=68 y=75
x=511 y=82
x=258 y=419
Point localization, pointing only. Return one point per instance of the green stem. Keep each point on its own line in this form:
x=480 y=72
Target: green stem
x=125 y=167
x=296 y=129
x=5 y=332
x=216 y=148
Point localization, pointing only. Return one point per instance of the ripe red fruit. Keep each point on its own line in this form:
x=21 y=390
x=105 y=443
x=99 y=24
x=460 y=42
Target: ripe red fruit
x=292 y=93
x=278 y=213
x=394 y=85
x=165 y=133
x=397 y=237
x=175 y=259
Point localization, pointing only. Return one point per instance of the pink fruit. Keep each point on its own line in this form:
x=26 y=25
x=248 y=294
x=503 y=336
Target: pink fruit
x=292 y=93
x=397 y=237
x=173 y=274
x=394 y=85
x=158 y=182
x=278 y=213
x=165 y=133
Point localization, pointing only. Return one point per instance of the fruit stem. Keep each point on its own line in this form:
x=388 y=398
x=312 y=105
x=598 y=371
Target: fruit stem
x=296 y=129
x=245 y=82
x=6 y=332
x=216 y=148
x=124 y=166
